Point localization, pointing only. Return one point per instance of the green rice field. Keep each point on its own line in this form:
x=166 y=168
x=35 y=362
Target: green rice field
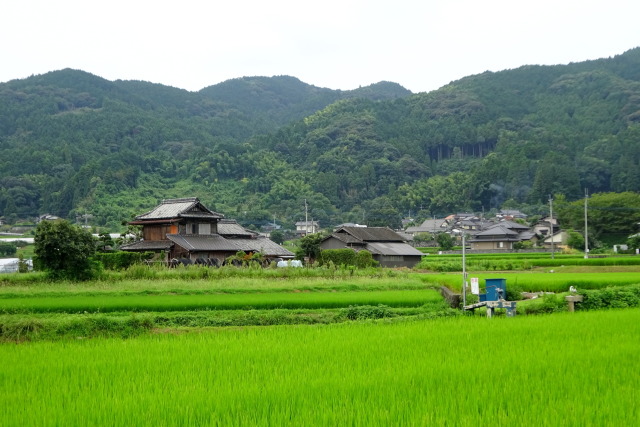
x=567 y=369
x=248 y=301
x=541 y=281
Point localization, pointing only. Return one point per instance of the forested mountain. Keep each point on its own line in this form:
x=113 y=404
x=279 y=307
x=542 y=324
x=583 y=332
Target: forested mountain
x=255 y=148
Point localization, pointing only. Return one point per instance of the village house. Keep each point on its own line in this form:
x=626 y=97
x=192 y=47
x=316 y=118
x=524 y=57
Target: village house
x=386 y=246
x=307 y=227
x=186 y=229
x=432 y=226
x=502 y=235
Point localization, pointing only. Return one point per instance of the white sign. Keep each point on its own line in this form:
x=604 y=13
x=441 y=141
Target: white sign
x=475 y=286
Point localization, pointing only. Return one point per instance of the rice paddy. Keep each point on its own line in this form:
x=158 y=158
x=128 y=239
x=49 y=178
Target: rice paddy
x=567 y=369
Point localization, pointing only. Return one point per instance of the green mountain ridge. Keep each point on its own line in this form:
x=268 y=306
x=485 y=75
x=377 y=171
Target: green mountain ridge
x=255 y=148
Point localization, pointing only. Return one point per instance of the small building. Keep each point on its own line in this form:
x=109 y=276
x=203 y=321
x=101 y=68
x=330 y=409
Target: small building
x=185 y=228
x=433 y=226
x=501 y=236
x=307 y=227
x=386 y=246
x=558 y=240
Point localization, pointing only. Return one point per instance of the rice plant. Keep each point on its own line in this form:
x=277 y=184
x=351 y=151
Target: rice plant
x=568 y=369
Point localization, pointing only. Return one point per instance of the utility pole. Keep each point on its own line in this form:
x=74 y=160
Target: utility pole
x=586 y=233
x=464 y=272
x=551 y=227
x=306 y=218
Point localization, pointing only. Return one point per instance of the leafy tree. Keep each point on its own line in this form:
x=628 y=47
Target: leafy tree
x=64 y=250
x=309 y=246
x=634 y=241
x=277 y=236
x=7 y=249
x=576 y=240
x=423 y=237
x=445 y=241
x=608 y=213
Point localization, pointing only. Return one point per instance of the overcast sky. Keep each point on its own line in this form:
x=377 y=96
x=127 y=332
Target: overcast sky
x=421 y=44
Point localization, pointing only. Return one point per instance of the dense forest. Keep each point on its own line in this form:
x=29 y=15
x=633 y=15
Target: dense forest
x=255 y=148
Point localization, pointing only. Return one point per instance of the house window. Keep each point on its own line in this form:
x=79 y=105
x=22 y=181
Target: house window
x=192 y=228
x=205 y=229
x=501 y=245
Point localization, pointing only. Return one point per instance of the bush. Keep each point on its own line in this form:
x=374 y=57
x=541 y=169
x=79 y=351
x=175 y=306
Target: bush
x=338 y=257
x=121 y=260
x=8 y=248
x=618 y=297
x=364 y=259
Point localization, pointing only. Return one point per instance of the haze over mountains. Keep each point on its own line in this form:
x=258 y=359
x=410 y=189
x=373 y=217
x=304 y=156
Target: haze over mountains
x=255 y=148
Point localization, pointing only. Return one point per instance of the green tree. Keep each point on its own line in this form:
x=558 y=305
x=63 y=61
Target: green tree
x=445 y=241
x=277 y=236
x=576 y=240
x=64 y=251
x=309 y=246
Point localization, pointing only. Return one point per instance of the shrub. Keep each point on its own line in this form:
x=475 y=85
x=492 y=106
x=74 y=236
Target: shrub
x=121 y=260
x=338 y=257
x=618 y=297
x=7 y=248
x=365 y=259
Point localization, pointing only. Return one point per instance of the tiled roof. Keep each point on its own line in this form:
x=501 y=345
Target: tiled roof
x=203 y=243
x=228 y=227
x=196 y=243
x=392 y=248
x=372 y=234
x=172 y=208
x=148 y=245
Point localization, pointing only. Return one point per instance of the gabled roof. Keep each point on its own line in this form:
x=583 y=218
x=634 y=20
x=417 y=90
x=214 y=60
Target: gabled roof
x=392 y=248
x=218 y=243
x=497 y=231
x=371 y=234
x=512 y=225
x=230 y=227
x=148 y=245
x=179 y=208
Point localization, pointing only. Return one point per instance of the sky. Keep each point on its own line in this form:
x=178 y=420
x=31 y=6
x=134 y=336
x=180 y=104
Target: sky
x=339 y=44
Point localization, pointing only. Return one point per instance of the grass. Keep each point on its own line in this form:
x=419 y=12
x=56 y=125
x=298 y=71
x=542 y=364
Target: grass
x=537 y=281
x=247 y=301
x=566 y=369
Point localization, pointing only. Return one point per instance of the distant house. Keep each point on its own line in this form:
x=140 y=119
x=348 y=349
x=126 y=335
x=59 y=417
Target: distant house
x=387 y=247
x=542 y=227
x=47 y=217
x=307 y=227
x=185 y=228
x=558 y=240
x=432 y=226
x=511 y=214
x=502 y=235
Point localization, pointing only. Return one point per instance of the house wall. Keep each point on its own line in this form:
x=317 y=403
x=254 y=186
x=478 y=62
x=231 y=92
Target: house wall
x=332 y=243
x=408 y=261
x=158 y=232
x=492 y=245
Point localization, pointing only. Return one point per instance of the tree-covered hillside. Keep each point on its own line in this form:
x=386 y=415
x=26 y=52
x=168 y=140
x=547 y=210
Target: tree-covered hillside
x=255 y=148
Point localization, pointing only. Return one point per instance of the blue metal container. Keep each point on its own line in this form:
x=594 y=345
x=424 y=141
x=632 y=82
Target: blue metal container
x=496 y=289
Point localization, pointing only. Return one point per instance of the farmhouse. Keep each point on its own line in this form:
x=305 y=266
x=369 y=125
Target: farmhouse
x=307 y=227
x=185 y=228
x=501 y=236
x=387 y=247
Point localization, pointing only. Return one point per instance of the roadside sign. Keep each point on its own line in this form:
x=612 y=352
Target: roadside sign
x=475 y=286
